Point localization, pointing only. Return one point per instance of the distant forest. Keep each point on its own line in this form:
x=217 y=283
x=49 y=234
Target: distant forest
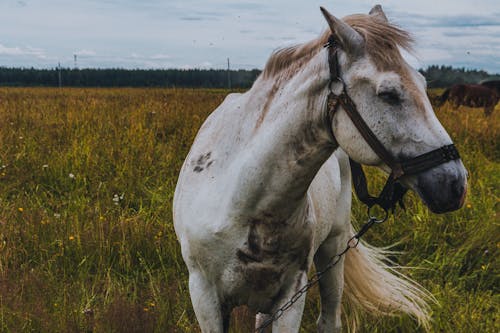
x=445 y=76
x=116 y=77
x=437 y=77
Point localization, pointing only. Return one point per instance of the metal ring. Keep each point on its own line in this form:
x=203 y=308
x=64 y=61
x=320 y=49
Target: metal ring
x=335 y=80
x=376 y=219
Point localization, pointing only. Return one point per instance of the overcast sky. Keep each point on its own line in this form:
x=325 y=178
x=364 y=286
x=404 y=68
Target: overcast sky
x=203 y=34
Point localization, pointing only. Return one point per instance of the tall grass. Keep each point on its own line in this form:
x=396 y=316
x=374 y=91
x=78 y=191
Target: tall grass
x=86 y=236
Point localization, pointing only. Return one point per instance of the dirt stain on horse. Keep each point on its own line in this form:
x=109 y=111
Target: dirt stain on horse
x=203 y=162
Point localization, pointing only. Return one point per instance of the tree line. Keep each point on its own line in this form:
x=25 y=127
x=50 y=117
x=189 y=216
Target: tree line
x=437 y=77
x=446 y=76
x=117 y=77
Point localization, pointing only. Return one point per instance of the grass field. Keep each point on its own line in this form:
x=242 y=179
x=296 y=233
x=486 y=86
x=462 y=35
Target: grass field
x=86 y=236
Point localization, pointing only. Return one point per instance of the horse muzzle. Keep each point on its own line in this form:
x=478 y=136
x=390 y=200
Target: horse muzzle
x=444 y=187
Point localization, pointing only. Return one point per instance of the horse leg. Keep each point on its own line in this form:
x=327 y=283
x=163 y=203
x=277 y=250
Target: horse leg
x=260 y=319
x=289 y=322
x=488 y=109
x=212 y=316
x=331 y=284
x=489 y=105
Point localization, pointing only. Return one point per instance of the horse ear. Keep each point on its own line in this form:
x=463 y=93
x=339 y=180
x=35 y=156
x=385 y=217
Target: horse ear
x=350 y=40
x=378 y=13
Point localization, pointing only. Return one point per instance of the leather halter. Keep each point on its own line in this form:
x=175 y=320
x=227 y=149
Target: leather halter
x=393 y=190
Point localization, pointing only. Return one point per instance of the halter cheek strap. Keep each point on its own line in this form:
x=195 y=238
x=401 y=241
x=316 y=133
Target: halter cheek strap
x=393 y=190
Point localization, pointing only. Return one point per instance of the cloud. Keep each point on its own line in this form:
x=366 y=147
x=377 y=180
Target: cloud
x=419 y=20
x=22 y=51
x=202 y=65
x=245 y=6
x=157 y=56
x=174 y=33
x=476 y=32
x=160 y=57
x=191 y=18
x=4 y=50
x=467 y=21
x=85 y=53
x=465 y=40
x=205 y=64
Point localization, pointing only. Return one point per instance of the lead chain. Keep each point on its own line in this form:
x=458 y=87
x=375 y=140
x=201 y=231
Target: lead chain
x=351 y=243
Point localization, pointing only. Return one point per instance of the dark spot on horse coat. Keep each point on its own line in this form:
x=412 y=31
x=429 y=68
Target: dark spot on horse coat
x=262 y=277
x=247 y=257
x=265 y=243
x=203 y=162
x=253 y=240
x=203 y=158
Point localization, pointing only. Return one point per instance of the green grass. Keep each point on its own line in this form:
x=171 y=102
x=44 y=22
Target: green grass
x=86 y=236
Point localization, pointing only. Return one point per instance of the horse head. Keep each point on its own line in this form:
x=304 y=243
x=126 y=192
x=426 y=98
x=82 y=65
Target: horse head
x=391 y=98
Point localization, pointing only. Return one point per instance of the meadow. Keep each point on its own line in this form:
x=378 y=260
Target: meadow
x=86 y=236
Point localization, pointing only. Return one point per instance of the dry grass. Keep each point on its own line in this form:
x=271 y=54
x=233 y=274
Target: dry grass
x=86 y=236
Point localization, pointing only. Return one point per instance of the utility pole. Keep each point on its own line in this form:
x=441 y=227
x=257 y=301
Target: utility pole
x=228 y=74
x=76 y=64
x=59 y=74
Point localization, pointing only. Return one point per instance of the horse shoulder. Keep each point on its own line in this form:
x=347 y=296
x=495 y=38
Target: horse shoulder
x=215 y=140
x=227 y=112
x=199 y=176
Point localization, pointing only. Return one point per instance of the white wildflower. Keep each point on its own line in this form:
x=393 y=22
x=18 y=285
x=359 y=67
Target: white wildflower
x=117 y=198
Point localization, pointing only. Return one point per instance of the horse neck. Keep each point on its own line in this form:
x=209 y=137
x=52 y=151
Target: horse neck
x=290 y=142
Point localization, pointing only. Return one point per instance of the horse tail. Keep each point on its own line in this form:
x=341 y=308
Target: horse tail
x=374 y=284
x=444 y=97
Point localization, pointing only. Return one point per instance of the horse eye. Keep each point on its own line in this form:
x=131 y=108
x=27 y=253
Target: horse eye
x=390 y=97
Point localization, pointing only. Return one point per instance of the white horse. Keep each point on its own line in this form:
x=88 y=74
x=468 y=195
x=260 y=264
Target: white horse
x=266 y=188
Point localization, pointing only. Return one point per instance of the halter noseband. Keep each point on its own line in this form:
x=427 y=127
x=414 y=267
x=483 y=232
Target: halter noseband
x=393 y=190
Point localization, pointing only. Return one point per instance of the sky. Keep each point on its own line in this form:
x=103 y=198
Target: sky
x=203 y=34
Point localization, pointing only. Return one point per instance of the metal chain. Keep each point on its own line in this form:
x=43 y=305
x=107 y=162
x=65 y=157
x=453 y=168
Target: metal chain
x=351 y=243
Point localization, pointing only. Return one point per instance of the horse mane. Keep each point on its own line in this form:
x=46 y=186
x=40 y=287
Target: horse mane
x=382 y=41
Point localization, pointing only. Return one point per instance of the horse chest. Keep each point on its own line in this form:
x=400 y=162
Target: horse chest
x=268 y=261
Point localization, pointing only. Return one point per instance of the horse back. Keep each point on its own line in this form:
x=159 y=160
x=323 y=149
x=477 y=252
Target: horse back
x=493 y=84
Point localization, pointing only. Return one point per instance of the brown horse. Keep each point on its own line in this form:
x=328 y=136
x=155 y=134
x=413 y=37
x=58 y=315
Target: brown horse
x=492 y=84
x=472 y=95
